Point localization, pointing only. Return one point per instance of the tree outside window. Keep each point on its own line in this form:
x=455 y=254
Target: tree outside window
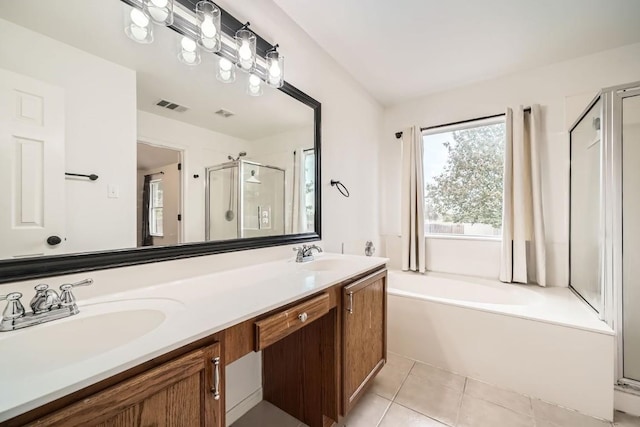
x=463 y=173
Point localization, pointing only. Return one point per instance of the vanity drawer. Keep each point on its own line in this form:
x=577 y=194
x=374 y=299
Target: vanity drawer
x=277 y=326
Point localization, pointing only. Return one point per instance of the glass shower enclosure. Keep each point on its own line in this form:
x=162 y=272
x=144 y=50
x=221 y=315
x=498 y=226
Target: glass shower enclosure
x=604 y=226
x=244 y=199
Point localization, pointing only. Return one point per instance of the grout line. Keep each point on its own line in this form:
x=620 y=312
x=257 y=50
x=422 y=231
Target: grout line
x=393 y=398
x=464 y=390
x=423 y=414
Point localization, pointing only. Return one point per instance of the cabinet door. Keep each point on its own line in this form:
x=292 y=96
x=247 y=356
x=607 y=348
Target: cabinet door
x=177 y=393
x=364 y=335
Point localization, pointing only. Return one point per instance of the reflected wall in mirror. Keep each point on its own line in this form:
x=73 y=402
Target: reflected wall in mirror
x=164 y=138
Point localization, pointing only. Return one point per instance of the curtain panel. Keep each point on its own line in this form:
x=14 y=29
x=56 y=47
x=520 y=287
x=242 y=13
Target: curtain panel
x=523 y=242
x=412 y=201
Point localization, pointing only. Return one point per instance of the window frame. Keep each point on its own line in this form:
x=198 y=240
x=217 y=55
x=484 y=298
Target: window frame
x=450 y=127
x=153 y=186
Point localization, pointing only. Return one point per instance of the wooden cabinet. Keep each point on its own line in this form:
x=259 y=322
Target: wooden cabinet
x=178 y=393
x=363 y=335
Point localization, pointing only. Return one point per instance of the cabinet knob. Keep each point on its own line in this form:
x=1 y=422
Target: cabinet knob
x=303 y=317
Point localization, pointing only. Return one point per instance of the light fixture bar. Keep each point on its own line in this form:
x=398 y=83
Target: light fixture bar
x=185 y=23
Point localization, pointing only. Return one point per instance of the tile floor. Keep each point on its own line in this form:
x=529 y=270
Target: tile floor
x=412 y=394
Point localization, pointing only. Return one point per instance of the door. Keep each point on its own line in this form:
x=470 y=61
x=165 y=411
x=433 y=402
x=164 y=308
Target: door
x=364 y=335
x=181 y=392
x=32 y=204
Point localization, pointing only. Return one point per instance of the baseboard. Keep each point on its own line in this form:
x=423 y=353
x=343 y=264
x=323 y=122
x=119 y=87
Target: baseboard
x=244 y=406
x=626 y=401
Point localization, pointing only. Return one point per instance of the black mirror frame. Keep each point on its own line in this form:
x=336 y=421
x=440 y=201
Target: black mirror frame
x=12 y=270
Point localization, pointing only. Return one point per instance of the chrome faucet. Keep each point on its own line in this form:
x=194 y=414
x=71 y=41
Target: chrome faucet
x=46 y=306
x=305 y=253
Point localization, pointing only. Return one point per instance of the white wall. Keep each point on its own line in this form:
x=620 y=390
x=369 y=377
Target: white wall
x=100 y=105
x=201 y=148
x=563 y=90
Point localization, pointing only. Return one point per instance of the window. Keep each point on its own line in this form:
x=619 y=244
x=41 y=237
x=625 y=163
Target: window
x=463 y=167
x=155 y=208
x=309 y=186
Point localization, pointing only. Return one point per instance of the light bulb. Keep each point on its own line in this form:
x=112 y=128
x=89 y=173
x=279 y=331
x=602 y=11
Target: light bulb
x=160 y=3
x=225 y=75
x=254 y=80
x=208 y=27
x=225 y=64
x=274 y=70
x=139 y=33
x=245 y=51
x=188 y=45
x=139 y=18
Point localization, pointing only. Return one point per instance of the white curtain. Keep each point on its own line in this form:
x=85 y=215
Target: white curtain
x=412 y=201
x=298 y=214
x=523 y=246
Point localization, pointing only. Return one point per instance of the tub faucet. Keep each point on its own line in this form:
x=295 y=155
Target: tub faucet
x=305 y=253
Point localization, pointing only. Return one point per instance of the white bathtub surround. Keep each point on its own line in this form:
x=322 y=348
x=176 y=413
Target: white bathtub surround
x=541 y=342
x=523 y=246
x=412 y=202
x=181 y=306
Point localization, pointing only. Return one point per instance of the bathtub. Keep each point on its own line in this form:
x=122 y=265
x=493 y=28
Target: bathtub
x=542 y=342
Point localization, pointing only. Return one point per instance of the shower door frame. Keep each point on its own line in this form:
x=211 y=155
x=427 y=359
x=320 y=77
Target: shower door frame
x=616 y=95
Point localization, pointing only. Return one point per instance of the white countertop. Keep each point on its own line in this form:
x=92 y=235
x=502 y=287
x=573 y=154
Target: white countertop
x=42 y=363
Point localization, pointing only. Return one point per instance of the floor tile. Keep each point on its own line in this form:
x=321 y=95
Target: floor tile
x=399 y=361
x=509 y=399
x=564 y=417
x=368 y=411
x=264 y=414
x=620 y=419
x=481 y=413
x=388 y=381
x=398 y=415
x=438 y=375
x=430 y=398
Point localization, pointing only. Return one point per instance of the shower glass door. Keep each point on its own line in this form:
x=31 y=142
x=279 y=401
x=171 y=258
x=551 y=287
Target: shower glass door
x=262 y=198
x=221 y=198
x=586 y=207
x=631 y=236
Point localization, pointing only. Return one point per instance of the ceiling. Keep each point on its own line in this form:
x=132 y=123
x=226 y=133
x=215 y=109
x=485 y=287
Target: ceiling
x=151 y=157
x=404 y=49
x=97 y=27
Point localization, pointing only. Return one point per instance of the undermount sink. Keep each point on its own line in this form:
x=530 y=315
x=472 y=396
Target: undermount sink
x=98 y=328
x=326 y=264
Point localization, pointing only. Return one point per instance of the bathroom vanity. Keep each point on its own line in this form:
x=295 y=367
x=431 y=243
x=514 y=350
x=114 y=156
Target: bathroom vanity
x=321 y=331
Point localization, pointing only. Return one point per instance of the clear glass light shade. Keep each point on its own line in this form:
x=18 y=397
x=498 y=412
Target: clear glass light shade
x=275 y=69
x=159 y=11
x=255 y=85
x=189 y=52
x=246 y=50
x=138 y=27
x=226 y=71
x=209 y=33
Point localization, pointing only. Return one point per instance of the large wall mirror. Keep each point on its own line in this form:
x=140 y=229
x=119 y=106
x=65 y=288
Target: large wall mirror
x=116 y=153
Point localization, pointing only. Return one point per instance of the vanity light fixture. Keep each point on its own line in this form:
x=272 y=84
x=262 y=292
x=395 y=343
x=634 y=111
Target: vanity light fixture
x=139 y=28
x=246 y=49
x=209 y=31
x=275 y=68
x=226 y=71
x=189 y=54
x=255 y=85
x=202 y=25
x=159 y=11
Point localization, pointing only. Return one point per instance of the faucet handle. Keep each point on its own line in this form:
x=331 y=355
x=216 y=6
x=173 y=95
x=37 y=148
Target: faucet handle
x=66 y=296
x=14 y=307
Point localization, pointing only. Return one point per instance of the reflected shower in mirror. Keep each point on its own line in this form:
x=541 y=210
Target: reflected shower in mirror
x=159 y=133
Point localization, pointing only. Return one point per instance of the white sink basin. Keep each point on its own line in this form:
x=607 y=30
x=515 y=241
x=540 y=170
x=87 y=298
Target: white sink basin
x=326 y=264
x=98 y=328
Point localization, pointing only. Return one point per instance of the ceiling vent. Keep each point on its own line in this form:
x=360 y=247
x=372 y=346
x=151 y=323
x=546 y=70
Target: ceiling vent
x=171 y=106
x=224 y=113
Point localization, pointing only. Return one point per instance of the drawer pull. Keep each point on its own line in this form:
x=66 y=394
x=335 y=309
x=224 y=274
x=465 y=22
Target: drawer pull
x=350 y=308
x=216 y=378
x=303 y=317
